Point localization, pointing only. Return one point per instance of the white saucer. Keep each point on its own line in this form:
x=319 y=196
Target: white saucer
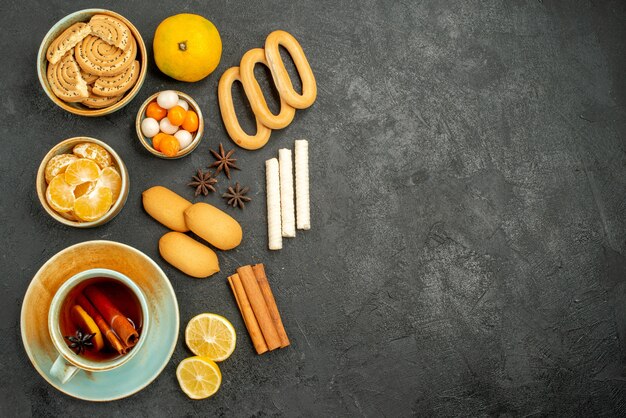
x=161 y=338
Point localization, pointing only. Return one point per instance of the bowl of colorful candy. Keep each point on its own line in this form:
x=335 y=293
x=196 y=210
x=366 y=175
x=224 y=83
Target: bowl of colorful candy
x=169 y=124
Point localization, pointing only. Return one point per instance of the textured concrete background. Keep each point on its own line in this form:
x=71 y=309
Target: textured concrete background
x=467 y=255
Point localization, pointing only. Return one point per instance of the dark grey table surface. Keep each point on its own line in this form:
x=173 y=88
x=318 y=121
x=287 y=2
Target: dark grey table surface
x=468 y=178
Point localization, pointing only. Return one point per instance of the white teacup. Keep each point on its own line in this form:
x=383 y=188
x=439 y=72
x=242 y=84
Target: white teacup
x=68 y=363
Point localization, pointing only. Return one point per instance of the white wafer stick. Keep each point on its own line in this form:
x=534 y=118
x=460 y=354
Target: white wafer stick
x=288 y=214
x=272 y=179
x=303 y=216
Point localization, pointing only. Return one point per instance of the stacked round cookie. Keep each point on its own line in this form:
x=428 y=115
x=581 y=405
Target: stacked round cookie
x=93 y=63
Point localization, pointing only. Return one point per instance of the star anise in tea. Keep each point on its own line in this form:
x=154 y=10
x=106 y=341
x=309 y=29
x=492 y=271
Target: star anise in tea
x=237 y=196
x=80 y=341
x=203 y=182
x=224 y=161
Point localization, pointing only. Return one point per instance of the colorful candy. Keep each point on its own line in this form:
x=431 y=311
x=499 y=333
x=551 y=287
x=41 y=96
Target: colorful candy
x=167 y=99
x=149 y=127
x=170 y=123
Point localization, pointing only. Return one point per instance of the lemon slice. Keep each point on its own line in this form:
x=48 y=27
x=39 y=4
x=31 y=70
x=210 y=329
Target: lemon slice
x=88 y=326
x=199 y=377
x=211 y=335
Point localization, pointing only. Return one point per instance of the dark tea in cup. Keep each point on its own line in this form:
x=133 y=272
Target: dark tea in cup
x=101 y=319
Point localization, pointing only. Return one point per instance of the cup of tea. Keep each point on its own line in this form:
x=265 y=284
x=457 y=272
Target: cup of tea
x=96 y=322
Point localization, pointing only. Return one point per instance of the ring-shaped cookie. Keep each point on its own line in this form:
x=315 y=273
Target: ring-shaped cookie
x=67 y=41
x=281 y=76
x=111 y=30
x=255 y=94
x=98 y=102
x=117 y=84
x=65 y=80
x=95 y=56
x=227 y=109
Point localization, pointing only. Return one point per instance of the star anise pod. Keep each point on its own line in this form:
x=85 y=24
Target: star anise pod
x=237 y=196
x=80 y=341
x=224 y=161
x=203 y=182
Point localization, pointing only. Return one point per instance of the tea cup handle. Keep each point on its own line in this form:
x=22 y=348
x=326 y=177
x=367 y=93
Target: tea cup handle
x=62 y=370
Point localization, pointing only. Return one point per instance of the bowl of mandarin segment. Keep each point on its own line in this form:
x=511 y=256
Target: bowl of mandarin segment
x=169 y=124
x=82 y=182
x=92 y=62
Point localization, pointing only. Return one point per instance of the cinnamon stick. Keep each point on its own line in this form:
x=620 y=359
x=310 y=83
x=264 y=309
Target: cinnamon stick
x=246 y=313
x=261 y=313
x=117 y=320
x=261 y=278
x=105 y=329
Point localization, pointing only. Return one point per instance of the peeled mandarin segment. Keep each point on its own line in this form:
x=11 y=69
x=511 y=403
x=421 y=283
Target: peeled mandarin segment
x=155 y=111
x=60 y=194
x=66 y=41
x=88 y=326
x=65 y=80
x=211 y=336
x=255 y=95
x=198 y=377
x=82 y=170
x=84 y=188
x=109 y=177
x=281 y=76
x=93 y=152
x=191 y=122
x=94 y=205
x=69 y=216
x=95 y=56
x=119 y=84
x=176 y=115
x=229 y=117
x=111 y=30
x=57 y=165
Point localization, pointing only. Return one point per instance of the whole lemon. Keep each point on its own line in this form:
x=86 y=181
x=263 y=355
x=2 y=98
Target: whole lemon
x=187 y=47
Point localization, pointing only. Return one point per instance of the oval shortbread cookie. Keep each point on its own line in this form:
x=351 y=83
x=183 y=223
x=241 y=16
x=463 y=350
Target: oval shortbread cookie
x=188 y=255
x=166 y=207
x=213 y=225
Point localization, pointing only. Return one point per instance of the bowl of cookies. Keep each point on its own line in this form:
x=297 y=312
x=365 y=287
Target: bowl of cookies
x=82 y=182
x=92 y=62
